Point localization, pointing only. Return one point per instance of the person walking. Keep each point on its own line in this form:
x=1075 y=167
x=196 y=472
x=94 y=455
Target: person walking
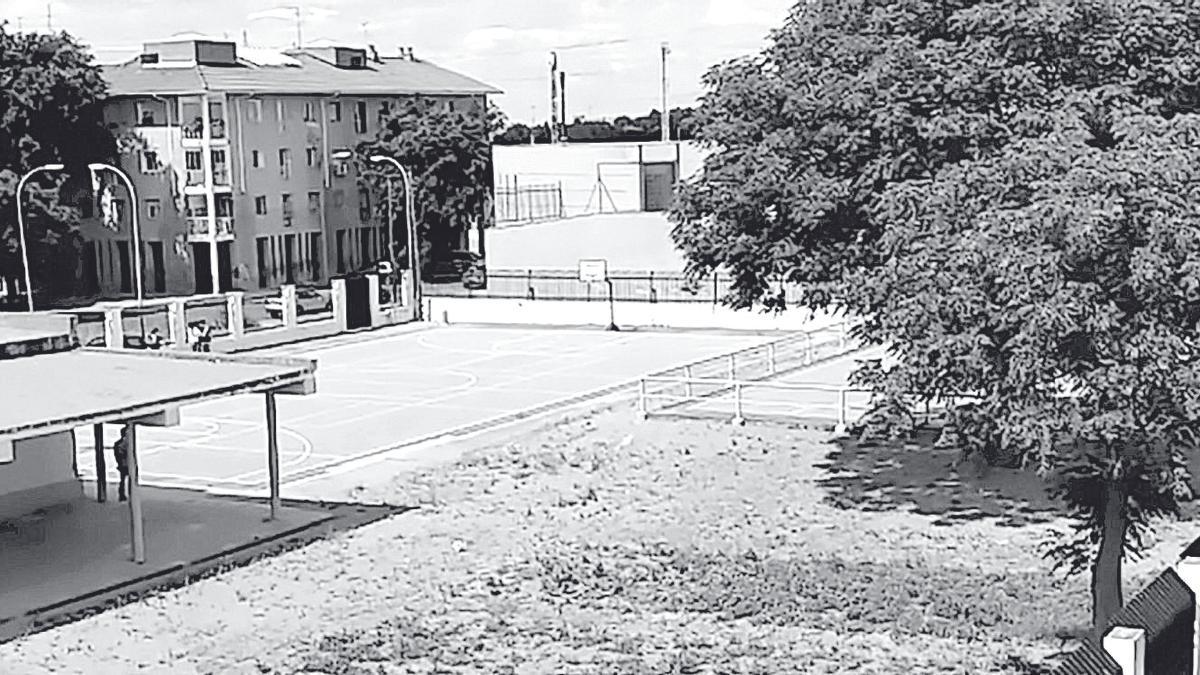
x=121 y=450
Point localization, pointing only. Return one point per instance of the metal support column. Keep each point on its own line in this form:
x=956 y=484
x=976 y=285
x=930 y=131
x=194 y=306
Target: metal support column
x=273 y=453
x=137 y=526
x=101 y=467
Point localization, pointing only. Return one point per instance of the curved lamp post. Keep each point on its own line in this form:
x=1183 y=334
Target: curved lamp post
x=414 y=248
x=21 y=227
x=133 y=215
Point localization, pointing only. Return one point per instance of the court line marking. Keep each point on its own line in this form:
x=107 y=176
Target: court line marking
x=505 y=419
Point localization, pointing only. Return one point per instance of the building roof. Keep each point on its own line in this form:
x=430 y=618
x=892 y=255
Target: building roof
x=265 y=75
x=1165 y=610
x=56 y=392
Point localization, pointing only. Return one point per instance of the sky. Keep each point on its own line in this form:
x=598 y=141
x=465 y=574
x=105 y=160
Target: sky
x=610 y=49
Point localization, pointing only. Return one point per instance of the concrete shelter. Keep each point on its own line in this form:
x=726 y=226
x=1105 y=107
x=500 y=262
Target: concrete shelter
x=49 y=387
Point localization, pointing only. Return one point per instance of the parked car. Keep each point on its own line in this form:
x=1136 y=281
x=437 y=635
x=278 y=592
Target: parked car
x=475 y=277
x=308 y=301
x=452 y=267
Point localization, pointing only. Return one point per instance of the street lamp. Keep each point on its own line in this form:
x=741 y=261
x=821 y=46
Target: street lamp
x=414 y=259
x=133 y=215
x=21 y=228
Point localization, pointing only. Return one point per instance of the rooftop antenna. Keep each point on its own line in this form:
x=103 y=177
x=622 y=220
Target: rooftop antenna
x=245 y=38
x=299 y=22
x=49 y=17
x=365 y=32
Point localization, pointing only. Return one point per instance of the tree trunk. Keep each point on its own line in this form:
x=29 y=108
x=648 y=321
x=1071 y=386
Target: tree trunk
x=1106 y=573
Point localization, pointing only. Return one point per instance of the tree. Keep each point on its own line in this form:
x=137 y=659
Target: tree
x=497 y=121
x=1058 y=282
x=50 y=112
x=449 y=156
x=993 y=189
x=852 y=96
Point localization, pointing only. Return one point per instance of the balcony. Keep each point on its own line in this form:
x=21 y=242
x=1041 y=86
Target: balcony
x=224 y=227
x=221 y=176
x=197 y=227
x=193 y=132
x=194 y=177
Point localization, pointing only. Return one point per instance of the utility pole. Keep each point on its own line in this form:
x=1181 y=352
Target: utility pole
x=562 y=91
x=665 y=122
x=299 y=21
x=49 y=18
x=553 y=97
x=533 y=123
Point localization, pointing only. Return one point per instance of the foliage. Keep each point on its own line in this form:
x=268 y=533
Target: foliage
x=449 y=157
x=851 y=97
x=1004 y=193
x=623 y=129
x=50 y=96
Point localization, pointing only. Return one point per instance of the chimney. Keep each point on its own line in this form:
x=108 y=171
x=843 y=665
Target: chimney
x=374 y=53
x=1127 y=646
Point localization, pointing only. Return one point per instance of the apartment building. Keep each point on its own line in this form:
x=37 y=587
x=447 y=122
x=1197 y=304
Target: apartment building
x=235 y=181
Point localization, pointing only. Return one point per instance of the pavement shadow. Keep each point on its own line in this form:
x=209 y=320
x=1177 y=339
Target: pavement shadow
x=916 y=476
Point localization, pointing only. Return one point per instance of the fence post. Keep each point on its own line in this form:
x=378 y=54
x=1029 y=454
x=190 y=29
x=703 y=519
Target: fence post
x=841 y=427
x=809 y=349
x=738 y=418
x=771 y=358
x=653 y=292
x=562 y=209
x=687 y=381
x=732 y=368
x=516 y=199
x=842 y=338
x=716 y=290
x=643 y=410
x=529 y=283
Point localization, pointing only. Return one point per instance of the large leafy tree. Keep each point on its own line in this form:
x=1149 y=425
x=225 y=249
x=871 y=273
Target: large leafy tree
x=449 y=156
x=1000 y=191
x=851 y=96
x=1058 y=283
x=50 y=97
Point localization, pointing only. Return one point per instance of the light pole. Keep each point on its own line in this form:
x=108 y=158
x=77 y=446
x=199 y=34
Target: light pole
x=133 y=216
x=21 y=228
x=414 y=251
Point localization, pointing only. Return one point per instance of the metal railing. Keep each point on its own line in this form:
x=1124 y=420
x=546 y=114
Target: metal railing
x=516 y=203
x=720 y=381
x=628 y=286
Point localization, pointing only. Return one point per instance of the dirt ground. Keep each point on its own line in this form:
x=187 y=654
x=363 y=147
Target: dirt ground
x=607 y=544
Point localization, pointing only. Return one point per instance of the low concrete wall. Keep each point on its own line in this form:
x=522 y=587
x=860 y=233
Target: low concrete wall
x=627 y=314
x=42 y=474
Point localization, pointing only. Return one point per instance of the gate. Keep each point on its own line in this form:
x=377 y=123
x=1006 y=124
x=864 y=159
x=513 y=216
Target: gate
x=358 y=302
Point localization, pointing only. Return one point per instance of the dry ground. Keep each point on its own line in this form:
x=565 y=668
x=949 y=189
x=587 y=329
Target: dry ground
x=603 y=544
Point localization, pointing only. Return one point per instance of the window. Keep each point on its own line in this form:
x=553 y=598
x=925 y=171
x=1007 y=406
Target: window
x=341 y=251
x=151 y=114
x=150 y=163
x=356 y=62
x=364 y=205
x=285 y=163
x=255 y=110
x=125 y=268
x=314 y=201
x=160 y=268
x=360 y=117
x=309 y=114
x=385 y=109
x=153 y=208
x=335 y=111
x=118 y=210
x=450 y=105
x=193 y=160
x=281 y=114
x=260 y=205
x=255 y=159
x=285 y=201
x=310 y=156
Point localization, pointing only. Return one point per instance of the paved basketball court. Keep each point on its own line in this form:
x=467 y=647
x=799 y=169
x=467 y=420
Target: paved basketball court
x=380 y=394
